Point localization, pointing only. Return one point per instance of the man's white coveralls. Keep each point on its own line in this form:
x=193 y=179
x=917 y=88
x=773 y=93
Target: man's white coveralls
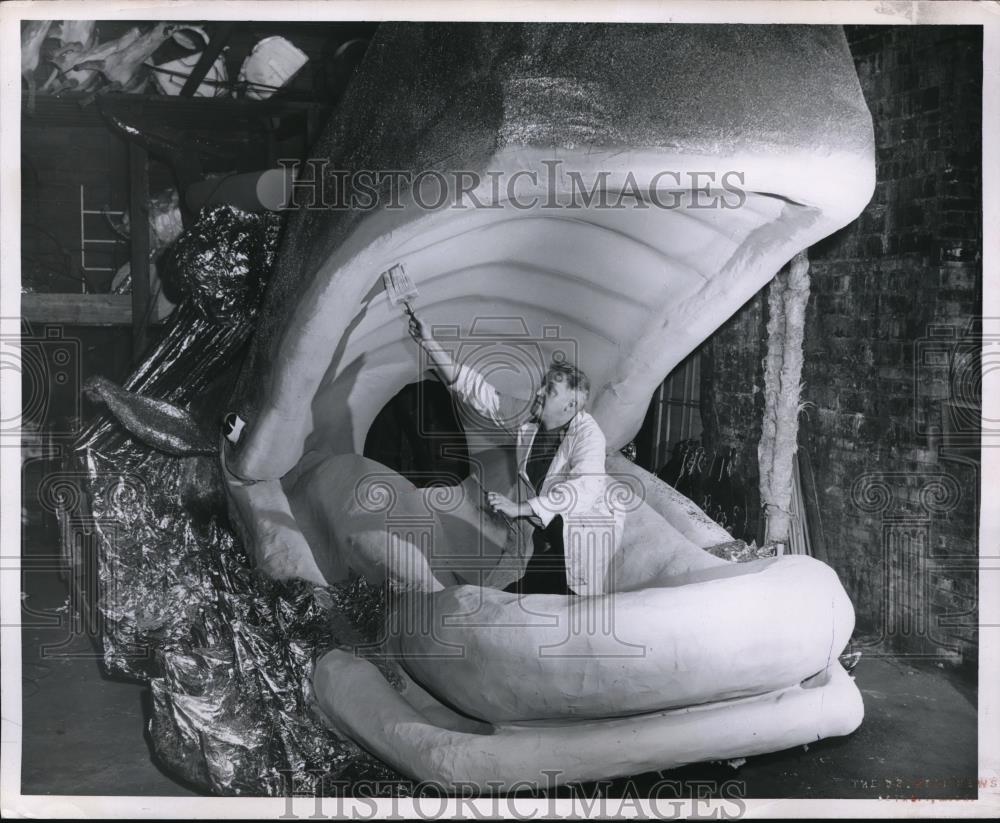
x=576 y=485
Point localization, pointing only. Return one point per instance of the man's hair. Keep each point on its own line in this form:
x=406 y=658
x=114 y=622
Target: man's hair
x=561 y=371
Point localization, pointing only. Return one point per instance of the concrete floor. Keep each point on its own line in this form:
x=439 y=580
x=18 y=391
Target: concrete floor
x=84 y=734
x=918 y=740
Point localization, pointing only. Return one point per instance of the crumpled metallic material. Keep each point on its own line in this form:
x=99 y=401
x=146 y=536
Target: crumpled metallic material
x=228 y=653
x=221 y=264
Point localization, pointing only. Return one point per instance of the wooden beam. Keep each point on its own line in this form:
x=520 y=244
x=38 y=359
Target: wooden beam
x=79 y=309
x=138 y=211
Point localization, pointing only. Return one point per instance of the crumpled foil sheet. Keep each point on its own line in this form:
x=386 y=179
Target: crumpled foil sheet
x=222 y=263
x=228 y=653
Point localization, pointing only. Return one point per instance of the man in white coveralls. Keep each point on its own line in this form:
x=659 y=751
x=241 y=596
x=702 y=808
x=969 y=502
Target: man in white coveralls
x=560 y=459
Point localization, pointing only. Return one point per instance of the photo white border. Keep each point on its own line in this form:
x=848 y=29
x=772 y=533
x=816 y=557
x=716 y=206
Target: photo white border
x=13 y=804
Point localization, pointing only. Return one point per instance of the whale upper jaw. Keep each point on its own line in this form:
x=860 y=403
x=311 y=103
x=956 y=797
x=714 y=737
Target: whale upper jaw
x=773 y=113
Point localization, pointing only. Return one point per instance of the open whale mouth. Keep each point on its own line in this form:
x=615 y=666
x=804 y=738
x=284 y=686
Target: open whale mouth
x=613 y=216
x=730 y=165
x=625 y=293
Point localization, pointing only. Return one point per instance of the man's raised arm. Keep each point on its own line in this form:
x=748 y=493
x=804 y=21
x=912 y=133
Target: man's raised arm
x=442 y=361
x=501 y=410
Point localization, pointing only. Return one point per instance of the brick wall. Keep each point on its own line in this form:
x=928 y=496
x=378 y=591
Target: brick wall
x=891 y=353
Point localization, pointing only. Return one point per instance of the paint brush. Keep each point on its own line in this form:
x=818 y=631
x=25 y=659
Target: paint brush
x=399 y=287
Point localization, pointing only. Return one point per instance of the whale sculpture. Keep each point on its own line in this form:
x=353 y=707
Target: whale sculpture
x=627 y=188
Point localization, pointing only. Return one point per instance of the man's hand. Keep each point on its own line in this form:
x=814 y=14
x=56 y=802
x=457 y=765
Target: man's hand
x=419 y=330
x=506 y=506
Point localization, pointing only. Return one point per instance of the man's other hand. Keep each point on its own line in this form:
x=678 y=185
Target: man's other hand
x=503 y=505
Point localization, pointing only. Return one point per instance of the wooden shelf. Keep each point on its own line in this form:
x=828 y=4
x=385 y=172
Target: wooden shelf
x=247 y=131
x=80 y=309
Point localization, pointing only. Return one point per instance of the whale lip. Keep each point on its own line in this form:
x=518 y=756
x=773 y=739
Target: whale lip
x=431 y=743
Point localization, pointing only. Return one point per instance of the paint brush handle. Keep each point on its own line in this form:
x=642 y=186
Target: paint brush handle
x=482 y=488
